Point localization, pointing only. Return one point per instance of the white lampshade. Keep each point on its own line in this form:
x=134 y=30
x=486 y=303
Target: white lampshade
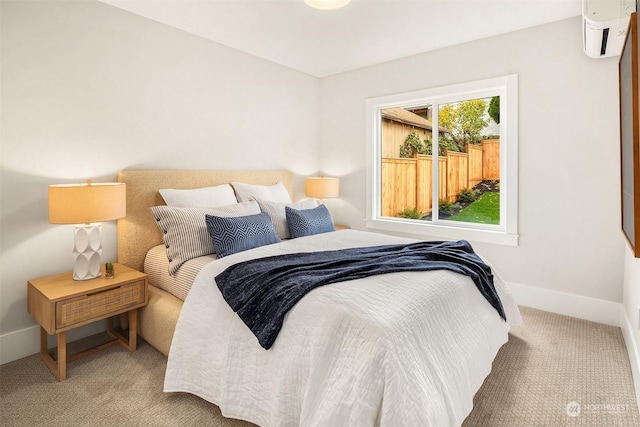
x=322 y=187
x=327 y=4
x=85 y=204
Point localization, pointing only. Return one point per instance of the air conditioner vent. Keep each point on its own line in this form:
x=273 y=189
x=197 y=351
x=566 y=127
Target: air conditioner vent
x=604 y=26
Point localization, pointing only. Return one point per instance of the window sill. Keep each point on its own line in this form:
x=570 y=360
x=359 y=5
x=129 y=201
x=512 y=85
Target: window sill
x=422 y=230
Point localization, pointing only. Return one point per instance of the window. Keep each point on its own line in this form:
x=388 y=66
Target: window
x=443 y=162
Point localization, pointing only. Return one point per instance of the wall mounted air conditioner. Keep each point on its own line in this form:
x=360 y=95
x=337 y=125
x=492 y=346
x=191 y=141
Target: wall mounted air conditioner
x=604 y=26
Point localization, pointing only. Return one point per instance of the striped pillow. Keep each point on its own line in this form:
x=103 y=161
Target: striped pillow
x=184 y=230
x=306 y=222
x=237 y=234
x=278 y=216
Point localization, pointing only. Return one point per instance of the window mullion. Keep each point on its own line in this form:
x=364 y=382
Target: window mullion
x=435 y=163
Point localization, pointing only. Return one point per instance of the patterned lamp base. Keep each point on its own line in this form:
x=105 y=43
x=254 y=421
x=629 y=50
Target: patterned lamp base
x=87 y=251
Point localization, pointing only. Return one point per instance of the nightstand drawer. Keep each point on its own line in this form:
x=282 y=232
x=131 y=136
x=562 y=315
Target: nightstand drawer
x=99 y=305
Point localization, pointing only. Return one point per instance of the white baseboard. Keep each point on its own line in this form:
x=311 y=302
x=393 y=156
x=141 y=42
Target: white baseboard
x=25 y=342
x=632 y=350
x=587 y=308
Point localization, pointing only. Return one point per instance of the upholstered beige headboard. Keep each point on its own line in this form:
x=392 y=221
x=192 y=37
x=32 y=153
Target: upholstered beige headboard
x=138 y=232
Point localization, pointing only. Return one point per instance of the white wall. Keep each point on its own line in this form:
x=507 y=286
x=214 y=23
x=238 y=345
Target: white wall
x=88 y=90
x=570 y=238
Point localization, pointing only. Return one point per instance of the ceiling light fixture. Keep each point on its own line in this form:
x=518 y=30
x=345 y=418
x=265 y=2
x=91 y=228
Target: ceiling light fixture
x=327 y=4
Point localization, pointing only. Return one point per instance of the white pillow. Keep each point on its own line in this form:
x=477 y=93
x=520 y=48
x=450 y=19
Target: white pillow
x=185 y=233
x=270 y=193
x=276 y=211
x=207 y=197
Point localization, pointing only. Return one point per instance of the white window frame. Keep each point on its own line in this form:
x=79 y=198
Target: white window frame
x=507 y=232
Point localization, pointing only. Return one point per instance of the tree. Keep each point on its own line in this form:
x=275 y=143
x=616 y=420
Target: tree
x=448 y=116
x=465 y=119
x=494 y=109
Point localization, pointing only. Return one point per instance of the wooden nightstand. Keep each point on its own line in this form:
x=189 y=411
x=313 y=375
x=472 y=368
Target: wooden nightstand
x=60 y=303
x=341 y=227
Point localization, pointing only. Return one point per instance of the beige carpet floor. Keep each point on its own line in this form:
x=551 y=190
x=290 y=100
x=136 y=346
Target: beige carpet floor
x=554 y=371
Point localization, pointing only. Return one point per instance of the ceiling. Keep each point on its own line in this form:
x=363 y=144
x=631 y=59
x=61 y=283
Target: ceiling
x=364 y=33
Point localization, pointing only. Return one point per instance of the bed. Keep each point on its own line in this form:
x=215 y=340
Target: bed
x=363 y=354
x=138 y=233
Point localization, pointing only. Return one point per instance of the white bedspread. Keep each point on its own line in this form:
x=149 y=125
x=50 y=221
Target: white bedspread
x=400 y=349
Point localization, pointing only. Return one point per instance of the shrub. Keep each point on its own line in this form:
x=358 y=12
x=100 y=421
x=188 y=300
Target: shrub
x=445 y=207
x=467 y=196
x=412 y=213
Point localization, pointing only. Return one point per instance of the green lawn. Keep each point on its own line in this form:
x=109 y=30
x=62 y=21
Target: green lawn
x=485 y=210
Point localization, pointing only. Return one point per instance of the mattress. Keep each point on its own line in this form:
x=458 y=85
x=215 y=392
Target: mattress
x=156 y=265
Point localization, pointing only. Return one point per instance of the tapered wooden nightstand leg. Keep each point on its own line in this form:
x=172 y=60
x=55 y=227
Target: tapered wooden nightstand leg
x=62 y=356
x=57 y=367
x=43 y=342
x=133 y=326
x=127 y=342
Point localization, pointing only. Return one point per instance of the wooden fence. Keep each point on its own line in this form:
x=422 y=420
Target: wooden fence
x=406 y=182
x=491 y=159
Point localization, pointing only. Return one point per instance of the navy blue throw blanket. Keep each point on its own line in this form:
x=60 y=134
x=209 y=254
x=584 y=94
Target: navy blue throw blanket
x=263 y=290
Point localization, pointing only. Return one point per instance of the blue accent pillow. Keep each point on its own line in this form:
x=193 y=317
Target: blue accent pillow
x=305 y=222
x=240 y=233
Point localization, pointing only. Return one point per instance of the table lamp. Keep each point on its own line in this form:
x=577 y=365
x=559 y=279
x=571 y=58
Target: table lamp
x=322 y=187
x=85 y=205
